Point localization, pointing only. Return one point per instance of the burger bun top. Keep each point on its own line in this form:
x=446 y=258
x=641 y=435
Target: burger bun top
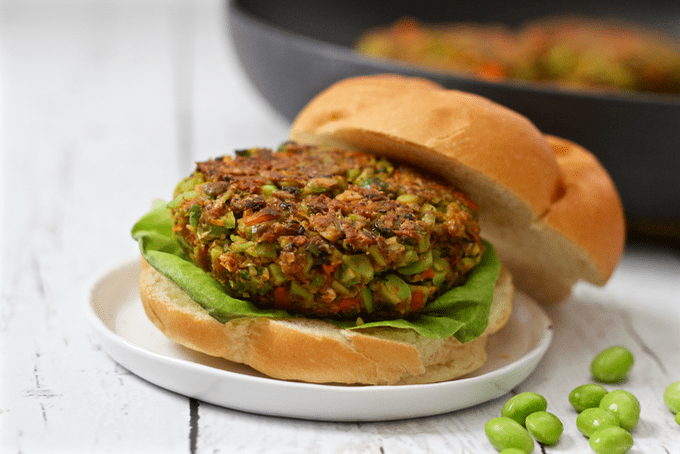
x=548 y=206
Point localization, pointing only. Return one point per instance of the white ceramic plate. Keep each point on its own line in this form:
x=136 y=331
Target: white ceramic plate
x=116 y=312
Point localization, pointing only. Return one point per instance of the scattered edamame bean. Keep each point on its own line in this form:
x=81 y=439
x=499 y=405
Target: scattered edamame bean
x=512 y=451
x=586 y=396
x=545 y=427
x=591 y=420
x=611 y=440
x=677 y=417
x=671 y=397
x=504 y=433
x=520 y=406
x=612 y=365
x=625 y=407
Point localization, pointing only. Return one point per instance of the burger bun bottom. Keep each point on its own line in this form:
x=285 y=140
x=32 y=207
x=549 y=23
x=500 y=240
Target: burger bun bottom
x=316 y=351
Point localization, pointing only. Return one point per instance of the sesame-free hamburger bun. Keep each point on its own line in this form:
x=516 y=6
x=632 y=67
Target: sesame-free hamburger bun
x=546 y=204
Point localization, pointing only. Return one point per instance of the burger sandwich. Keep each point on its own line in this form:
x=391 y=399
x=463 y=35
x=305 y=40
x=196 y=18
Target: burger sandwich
x=381 y=244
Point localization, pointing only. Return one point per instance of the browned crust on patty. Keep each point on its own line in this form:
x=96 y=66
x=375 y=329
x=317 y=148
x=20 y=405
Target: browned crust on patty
x=326 y=233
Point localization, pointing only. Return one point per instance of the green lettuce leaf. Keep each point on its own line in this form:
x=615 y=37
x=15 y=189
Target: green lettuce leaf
x=462 y=312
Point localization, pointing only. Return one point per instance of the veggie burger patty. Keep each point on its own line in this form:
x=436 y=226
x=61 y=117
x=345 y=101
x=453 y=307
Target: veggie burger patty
x=326 y=233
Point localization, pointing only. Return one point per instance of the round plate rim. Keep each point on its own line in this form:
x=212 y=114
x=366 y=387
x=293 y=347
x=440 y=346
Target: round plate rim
x=341 y=402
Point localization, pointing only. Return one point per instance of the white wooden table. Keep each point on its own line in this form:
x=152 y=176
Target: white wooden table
x=104 y=108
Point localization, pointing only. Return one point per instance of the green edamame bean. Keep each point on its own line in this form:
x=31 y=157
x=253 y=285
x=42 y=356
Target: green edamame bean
x=677 y=417
x=625 y=407
x=512 y=451
x=671 y=397
x=612 y=365
x=586 y=396
x=520 y=406
x=611 y=440
x=545 y=427
x=591 y=420
x=504 y=433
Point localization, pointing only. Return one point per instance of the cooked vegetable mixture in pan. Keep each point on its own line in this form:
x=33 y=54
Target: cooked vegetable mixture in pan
x=577 y=53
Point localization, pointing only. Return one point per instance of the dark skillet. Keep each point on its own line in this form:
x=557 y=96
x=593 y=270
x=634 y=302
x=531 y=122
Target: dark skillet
x=293 y=49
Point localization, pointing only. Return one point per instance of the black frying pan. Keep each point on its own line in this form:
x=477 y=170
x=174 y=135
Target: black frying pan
x=293 y=49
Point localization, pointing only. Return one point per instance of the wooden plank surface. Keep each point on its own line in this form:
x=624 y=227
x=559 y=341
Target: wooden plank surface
x=105 y=108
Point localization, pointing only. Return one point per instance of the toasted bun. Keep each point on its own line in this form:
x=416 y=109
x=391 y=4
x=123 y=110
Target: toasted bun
x=549 y=208
x=316 y=351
